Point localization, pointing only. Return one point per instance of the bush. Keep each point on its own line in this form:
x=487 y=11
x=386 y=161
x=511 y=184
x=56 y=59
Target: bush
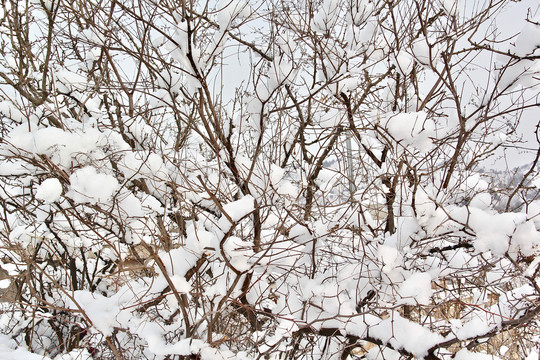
x=278 y=180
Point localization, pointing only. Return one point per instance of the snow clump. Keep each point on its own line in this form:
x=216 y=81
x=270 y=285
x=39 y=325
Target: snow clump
x=412 y=129
x=89 y=186
x=49 y=191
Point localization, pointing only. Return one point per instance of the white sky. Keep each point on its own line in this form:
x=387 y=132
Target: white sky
x=509 y=23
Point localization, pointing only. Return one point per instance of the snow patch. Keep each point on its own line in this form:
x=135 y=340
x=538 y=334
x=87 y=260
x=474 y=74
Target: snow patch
x=412 y=129
x=416 y=289
x=403 y=334
x=465 y=354
x=49 y=191
x=89 y=186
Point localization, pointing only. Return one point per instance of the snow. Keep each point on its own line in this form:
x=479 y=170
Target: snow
x=356 y=327
x=481 y=201
x=390 y=257
x=10 y=111
x=531 y=269
x=101 y=310
x=404 y=63
x=474 y=182
x=152 y=333
x=62 y=147
x=522 y=72
x=90 y=186
x=75 y=354
x=412 y=129
x=209 y=353
x=282 y=72
x=360 y=11
x=130 y=205
x=240 y=208
x=178 y=262
x=239 y=252
x=70 y=81
x=465 y=354
x=180 y=284
x=110 y=181
x=9 y=168
x=230 y=10
x=287 y=188
x=426 y=51
x=276 y=174
x=429 y=216
x=377 y=353
x=451 y=6
x=325 y=17
x=533 y=213
x=416 y=289
x=475 y=327
x=237 y=210
x=50 y=190
x=403 y=334
x=328 y=119
x=493 y=230
x=151 y=203
x=525 y=240
x=10 y=351
x=528 y=41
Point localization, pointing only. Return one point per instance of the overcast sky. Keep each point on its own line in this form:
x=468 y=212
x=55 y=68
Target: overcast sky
x=511 y=20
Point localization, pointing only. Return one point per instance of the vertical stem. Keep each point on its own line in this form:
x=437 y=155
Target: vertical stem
x=352 y=186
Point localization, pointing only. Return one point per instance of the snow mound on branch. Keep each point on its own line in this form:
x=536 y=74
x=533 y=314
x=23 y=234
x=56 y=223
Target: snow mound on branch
x=412 y=129
x=240 y=208
x=401 y=333
x=525 y=240
x=524 y=71
x=49 y=191
x=326 y=16
x=236 y=210
x=465 y=354
x=89 y=186
x=68 y=81
x=239 y=252
x=360 y=11
x=474 y=327
x=528 y=41
x=390 y=257
x=493 y=231
x=178 y=262
x=416 y=289
x=229 y=10
x=9 y=110
x=101 y=310
x=404 y=63
x=9 y=350
x=63 y=148
x=426 y=51
x=451 y=6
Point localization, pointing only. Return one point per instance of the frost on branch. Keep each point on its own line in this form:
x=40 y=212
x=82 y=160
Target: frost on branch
x=277 y=180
